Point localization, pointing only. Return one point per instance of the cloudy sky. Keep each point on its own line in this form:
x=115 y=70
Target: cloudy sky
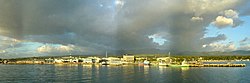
x=31 y=28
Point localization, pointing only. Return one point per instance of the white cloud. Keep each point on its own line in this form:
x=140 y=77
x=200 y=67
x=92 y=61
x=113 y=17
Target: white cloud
x=4 y=38
x=229 y=18
x=220 y=47
x=204 y=46
x=44 y=48
x=203 y=6
x=2 y=51
x=157 y=38
x=196 y=19
x=222 y=21
x=6 y=42
x=119 y=2
x=55 y=48
x=231 y=14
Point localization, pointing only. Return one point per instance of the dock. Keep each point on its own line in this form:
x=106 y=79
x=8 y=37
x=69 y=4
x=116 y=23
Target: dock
x=218 y=65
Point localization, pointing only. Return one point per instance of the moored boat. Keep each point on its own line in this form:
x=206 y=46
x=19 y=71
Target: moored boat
x=183 y=64
x=163 y=63
x=146 y=62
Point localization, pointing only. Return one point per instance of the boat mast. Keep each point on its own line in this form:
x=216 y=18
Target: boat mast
x=106 y=54
x=169 y=57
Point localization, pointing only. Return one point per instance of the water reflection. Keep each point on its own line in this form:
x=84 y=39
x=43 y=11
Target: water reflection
x=122 y=74
x=146 y=69
x=66 y=65
x=162 y=69
x=184 y=69
x=127 y=72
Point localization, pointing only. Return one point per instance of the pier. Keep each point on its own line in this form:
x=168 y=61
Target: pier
x=219 y=65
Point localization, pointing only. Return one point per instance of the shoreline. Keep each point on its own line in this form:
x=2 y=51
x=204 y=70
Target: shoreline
x=98 y=64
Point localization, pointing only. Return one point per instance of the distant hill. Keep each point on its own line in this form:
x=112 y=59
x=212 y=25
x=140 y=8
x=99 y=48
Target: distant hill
x=241 y=52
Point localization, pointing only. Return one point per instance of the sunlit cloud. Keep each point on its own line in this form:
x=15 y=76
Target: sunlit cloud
x=220 y=47
x=55 y=48
x=196 y=19
x=231 y=14
x=221 y=22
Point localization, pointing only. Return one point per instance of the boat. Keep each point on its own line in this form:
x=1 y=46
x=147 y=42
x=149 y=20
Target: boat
x=104 y=62
x=162 y=63
x=146 y=62
x=183 y=64
x=176 y=65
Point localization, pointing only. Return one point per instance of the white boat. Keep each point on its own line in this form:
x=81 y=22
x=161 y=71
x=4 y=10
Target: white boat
x=183 y=64
x=176 y=65
x=105 y=62
x=162 y=63
x=146 y=62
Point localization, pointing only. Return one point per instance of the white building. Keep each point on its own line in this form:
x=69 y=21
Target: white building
x=58 y=61
x=128 y=58
x=69 y=59
x=87 y=60
x=114 y=61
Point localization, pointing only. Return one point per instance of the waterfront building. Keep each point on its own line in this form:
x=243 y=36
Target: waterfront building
x=128 y=58
x=94 y=59
x=111 y=61
x=58 y=61
x=69 y=59
x=49 y=60
x=114 y=61
x=87 y=60
x=140 y=59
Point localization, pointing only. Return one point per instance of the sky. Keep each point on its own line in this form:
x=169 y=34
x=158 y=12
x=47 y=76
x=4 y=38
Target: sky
x=31 y=28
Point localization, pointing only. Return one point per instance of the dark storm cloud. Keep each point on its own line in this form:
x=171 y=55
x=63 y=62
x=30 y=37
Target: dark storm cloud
x=11 y=18
x=109 y=25
x=48 y=21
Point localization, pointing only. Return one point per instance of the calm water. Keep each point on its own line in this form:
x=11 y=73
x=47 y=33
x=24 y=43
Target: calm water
x=122 y=74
